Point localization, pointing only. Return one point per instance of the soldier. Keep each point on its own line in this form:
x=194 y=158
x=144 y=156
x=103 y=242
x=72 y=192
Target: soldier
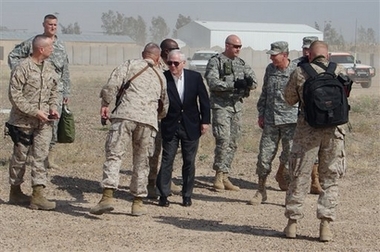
x=309 y=143
x=315 y=187
x=166 y=46
x=134 y=119
x=276 y=118
x=34 y=97
x=229 y=80
x=61 y=63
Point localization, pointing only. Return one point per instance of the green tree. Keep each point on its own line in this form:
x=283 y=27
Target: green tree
x=316 y=26
x=181 y=21
x=136 y=29
x=331 y=36
x=113 y=23
x=159 y=29
x=71 y=28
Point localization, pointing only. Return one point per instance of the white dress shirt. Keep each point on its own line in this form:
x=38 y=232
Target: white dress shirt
x=180 y=83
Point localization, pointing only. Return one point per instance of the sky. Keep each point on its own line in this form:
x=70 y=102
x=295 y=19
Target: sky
x=344 y=15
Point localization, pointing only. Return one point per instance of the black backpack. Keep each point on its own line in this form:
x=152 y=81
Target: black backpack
x=324 y=97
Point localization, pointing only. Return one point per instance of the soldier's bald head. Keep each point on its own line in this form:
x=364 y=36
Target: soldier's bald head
x=318 y=49
x=233 y=39
x=40 y=41
x=152 y=51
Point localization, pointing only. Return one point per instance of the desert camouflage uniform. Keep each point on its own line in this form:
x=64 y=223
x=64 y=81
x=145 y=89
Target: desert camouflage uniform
x=226 y=106
x=31 y=89
x=59 y=59
x=135 y=120
x=309 y=143
x=279 y=118
x=154 y=159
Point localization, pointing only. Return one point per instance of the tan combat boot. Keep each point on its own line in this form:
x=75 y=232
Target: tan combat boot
x=228 y=185
x=105 y=203
x=17 y=197
x=315 y=187
x=280 y=178
x=291 y=229
x=50 y=160
x=152 y=189
x=261 y=193
x=175 y=189
x=218 y=181
x=138 y=207
x=325 y=233
x=38 y=201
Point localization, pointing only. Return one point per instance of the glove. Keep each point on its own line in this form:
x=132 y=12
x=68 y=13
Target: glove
x=240 y=84
x=249 y=81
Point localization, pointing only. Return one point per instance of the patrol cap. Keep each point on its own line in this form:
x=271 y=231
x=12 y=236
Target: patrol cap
x=278 y=47
x=308 y=40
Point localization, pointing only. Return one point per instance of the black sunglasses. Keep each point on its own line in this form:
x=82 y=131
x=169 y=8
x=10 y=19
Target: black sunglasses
x=175 y=63
x=235 y=46
x=171 y=49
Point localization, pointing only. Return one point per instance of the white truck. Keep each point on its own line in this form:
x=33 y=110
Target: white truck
x=358 y=73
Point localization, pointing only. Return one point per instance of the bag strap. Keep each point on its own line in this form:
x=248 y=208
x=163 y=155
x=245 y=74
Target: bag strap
x=309 y=69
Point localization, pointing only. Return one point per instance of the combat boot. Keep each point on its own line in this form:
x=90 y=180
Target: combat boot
x=50 y=160
x=325 y=233
x=261 y=193
x=38 y=201
x=218 y=181
x=105 y=203
x=175 y=189
x=291 y=229
x=17 y=197
x=280 y=178
x=228 y=185
x=138 y=207
x=315 y=187
x=152 y=189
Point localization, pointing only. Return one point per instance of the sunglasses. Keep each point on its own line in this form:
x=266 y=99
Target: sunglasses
x=235 y=46
x=175 y=63
x=171 y=49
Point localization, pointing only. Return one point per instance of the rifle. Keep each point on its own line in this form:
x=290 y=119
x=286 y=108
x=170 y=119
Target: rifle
x=125 y=86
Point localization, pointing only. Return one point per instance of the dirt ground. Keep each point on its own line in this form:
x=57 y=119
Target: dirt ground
x=217 y=221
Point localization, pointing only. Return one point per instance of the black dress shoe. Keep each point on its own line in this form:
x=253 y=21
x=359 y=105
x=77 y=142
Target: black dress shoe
x=164 y=202
x=186 y=202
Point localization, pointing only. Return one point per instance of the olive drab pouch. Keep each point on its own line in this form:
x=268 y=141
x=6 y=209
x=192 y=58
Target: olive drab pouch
x=66 y=126
x=227 y=68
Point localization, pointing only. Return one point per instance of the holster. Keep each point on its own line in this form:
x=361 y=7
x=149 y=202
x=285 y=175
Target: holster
x=18 y=136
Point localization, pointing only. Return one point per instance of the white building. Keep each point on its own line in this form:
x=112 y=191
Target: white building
x=258 y=36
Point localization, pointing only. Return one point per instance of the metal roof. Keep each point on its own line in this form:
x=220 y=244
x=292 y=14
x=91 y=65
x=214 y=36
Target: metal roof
x=19 y=35
x=258 y=27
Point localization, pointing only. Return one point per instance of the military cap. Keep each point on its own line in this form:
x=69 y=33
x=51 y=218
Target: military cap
x=278 y=47
x=308 y=40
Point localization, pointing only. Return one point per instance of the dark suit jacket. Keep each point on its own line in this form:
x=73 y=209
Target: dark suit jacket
x=188 y=113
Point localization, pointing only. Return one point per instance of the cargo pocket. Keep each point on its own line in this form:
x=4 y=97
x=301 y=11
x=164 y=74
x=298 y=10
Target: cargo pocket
x=151 y=145
x=341 y=162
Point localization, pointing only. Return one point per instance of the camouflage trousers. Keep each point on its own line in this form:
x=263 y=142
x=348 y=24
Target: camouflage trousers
x=153 y=160
x=32 y=156
x=308 y=143
x=54 y=137
x=269 y=142
x=123 y=132
x=226 y=128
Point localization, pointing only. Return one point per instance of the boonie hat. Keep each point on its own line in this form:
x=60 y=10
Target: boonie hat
x=308 y=40
x=278 y=47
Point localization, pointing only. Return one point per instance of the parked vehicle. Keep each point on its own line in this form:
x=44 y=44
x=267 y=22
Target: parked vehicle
x=200 y=59
x=359 y=73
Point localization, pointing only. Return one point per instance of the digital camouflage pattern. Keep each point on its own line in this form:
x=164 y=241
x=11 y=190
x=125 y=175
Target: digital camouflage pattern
x=326 y=144
x=279 y=118
x=140 y=101
x=58 y=58
x=134 y=121
x=226 y=105
x=31 y=89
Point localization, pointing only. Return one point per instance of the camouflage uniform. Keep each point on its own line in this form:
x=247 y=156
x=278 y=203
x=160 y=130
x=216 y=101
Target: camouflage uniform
x=226 y=105
x=153 y=160
x=309 y=143
x=31 y=89
x=135 y=120
x=61 y=63
x=279 y=118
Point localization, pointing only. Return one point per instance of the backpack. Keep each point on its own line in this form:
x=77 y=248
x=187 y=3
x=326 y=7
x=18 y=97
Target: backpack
x=325 y=97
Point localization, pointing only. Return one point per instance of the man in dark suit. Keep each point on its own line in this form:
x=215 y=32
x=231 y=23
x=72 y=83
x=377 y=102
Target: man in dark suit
x=187 y=119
